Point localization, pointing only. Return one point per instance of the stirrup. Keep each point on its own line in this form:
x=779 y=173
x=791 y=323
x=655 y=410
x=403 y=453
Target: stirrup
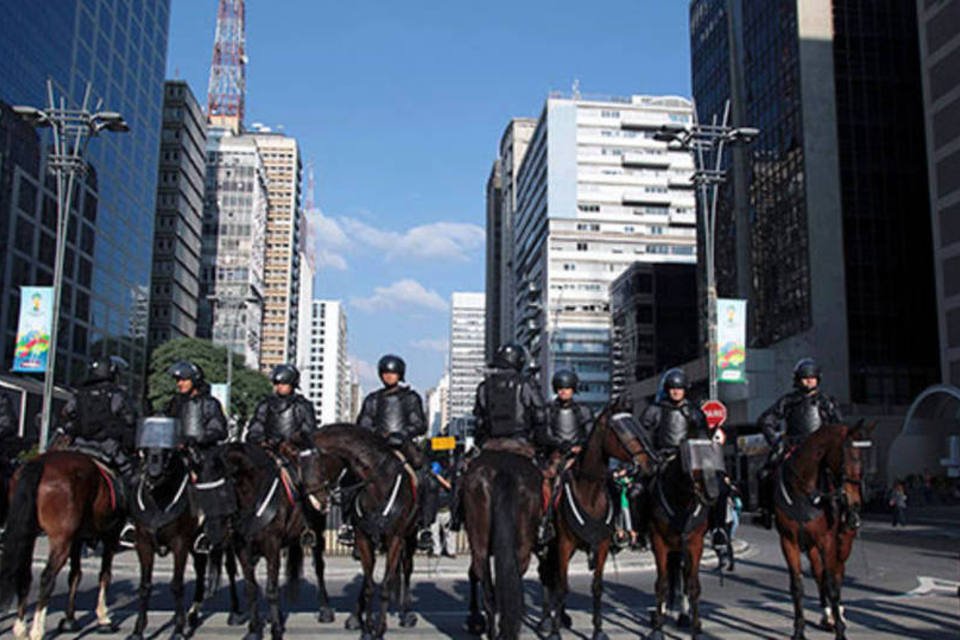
x=346 y=536
x=128 y=535
x=201 y=544
x=425 y=540
x=308 y=538
x=545 y=534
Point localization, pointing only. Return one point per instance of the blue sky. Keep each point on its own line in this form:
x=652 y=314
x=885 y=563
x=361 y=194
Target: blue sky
x=400 y=107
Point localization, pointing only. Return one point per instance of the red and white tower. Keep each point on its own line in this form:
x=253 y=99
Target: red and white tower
x=225 y=92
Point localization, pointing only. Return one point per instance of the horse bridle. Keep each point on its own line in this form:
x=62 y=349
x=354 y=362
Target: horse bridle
x=630 y=441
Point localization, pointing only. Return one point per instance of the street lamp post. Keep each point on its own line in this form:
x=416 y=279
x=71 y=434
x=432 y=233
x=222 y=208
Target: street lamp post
x=706 y=142
x=72 y=131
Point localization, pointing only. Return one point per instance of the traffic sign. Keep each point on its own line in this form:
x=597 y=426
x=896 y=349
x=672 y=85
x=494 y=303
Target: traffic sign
x=716 y=413
x=443 y=443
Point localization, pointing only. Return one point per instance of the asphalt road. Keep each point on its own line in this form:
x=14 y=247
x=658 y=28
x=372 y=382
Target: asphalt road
x=900 y=584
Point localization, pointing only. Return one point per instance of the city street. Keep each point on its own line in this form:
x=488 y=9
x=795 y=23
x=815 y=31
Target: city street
x=900 y=584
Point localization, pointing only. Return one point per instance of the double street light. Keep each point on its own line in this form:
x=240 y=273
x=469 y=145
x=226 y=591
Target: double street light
x=72 y=131
x=707 y=143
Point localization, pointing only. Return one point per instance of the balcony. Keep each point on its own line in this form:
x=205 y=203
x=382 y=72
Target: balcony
x=645 y=161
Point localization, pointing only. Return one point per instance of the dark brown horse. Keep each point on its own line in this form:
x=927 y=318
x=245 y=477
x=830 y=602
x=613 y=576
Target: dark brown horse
x=165 y=522
x=385 y=512
x=65 y=495
x=585 y=516
x=502 y=505
x=824 y=531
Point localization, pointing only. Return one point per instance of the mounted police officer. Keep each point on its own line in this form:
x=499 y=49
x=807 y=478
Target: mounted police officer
x=285 y=417
x=395 y=412
x=204 y=428
x=566 y=431
x=790 y=421
x=673 y=419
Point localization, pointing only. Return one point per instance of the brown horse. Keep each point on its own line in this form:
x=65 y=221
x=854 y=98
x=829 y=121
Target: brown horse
x=502 y=505
x=824 y=531
x=165 y=521
x=67 y=496
x=385 y=512
x=585 y=515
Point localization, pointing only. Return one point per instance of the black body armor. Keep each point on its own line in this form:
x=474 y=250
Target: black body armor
x=568 y=424
x=505 y=404
x=394 y=411
x=672 y=424
x=801 y=414
x=289 y=418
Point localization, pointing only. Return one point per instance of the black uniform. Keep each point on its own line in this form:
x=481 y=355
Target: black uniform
x=670 y=424
x=568 y=425
x=801 y=413
x=203 y=425
x=396 y=413
x=290 y=418
x=508 y=405
x=100 y=416
x=11 y=444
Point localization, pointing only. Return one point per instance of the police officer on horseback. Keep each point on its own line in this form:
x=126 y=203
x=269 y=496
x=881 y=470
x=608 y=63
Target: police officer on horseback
x=509 y=405
x=673 y=419
x=285 y=417
x=566 y=431
x=204 y=428
x=791 y=419
x=395 y=412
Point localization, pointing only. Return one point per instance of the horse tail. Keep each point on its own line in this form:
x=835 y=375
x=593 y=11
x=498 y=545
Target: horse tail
x=509 y=585
x=20 y=535
x=294 y=569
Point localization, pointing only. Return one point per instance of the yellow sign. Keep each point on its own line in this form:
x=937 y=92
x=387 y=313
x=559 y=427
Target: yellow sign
x=445 y=443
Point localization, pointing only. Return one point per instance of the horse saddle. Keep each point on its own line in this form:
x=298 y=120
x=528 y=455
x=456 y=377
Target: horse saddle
x=115 y=485
x=511 y=445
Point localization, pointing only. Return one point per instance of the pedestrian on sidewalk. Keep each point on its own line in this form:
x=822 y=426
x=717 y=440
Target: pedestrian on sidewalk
x=898 y=500
x=443 y=543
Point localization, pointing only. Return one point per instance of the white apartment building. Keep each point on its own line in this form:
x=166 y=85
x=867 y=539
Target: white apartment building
x=595 y=193
x=467 y=326
x=436 y=400
x=232 y=247
x=326 y=381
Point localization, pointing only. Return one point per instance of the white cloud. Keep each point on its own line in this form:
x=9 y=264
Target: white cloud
x=365 y=372
x=431 y=344
x=400 y=294
x=435 y=241
x=329 y=241
x=331 y=260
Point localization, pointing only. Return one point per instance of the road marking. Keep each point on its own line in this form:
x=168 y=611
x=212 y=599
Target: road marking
x=929 y=585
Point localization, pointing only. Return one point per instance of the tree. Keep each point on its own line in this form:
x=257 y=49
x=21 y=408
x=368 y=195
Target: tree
x=249 y=386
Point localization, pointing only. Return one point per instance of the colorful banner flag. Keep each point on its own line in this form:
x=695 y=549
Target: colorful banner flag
x=33 y=331
x=731 y=340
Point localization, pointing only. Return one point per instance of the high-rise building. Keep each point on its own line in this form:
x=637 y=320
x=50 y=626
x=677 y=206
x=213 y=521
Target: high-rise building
x=819 y=218
x=282 y=246
x=939 y=24
x=653 y=307
x=595 y=193
x=234 y=223
x=327 y=378
x=121 y=51
x=308 y=262
x=175 y=281
x=501 y=207
x=467 y=325
x=436 y=400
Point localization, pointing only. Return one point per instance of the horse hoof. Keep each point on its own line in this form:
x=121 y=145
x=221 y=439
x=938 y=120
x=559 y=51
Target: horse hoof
x=566 y=620
x=235 y=619
x=325 y=614
x=476 y=624
x=135 y=636
x=599 y=635
x=178 y=635
x=683 y=621
x=408 y=619
x=253 y=635
x=798 y=635
x=352 y=623
x=276 y=632
x=107 y=628
x=366 y=636
x=68 y=625
x=826 y=623
x=545 y=626
x=656 y=634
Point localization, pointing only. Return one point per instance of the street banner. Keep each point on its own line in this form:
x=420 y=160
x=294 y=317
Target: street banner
x=731 y=340
x=33 y=330
x=219 y=391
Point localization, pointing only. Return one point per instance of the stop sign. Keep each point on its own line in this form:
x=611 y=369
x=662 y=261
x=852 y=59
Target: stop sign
x=716 y=413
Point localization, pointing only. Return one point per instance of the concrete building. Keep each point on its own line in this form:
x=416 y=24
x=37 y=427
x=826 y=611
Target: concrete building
x=120 y=50
x=939 y=24
x=501 y=208
x=595 y=193
x=282 y=246
x=467 y=325
x=817 y=225
x=175 y=277
x=308 y=262
x=327 y=378
x=436 y=401
x=653 y=307
x=234 y=223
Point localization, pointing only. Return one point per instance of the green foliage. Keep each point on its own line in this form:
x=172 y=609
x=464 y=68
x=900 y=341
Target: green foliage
x=249 y=386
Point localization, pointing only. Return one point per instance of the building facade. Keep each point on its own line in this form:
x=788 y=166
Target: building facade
x=234 y=225
x=595 y=193
x=327 y=377
x=939 y=25
x=467 y=326
x=282 y=247
x=121 y=51
x=175 y=277
x=494 y=264
x=653 y=307
x=818 y=218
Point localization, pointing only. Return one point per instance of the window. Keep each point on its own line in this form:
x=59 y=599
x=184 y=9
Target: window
x=581 y=246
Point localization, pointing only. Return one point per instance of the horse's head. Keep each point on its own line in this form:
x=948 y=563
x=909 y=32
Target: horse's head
x=321 y=473
x=846 y=465
x=156 y=463
x=624 y=439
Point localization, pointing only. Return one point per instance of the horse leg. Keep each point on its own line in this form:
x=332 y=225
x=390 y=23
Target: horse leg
x=248 y=562
x=660 y=555
x=324 y=611
x=791 y=553
x=391 y=577
x=199 y=588
x=367 y=559
x=69 y=622
x=565 y=549
x=407 y=617
x=489 y=599
x=145 y=556
x=59 y=552
x=475 y=621
x=833 y=579
x=180 y=553
x=547 y=569
x=596 y=588
x=691 y=579
x=272 y=554
x=104 y=623
x=816 y=567
x=236 y=617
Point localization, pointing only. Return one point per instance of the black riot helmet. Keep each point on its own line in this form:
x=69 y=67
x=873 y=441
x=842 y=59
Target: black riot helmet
x=805 y=368
x=565 y=379
x=674 y=379
x=186 y=370
x=285 y=374
x=510 y=356
x=102 y=369
x=392 y=364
